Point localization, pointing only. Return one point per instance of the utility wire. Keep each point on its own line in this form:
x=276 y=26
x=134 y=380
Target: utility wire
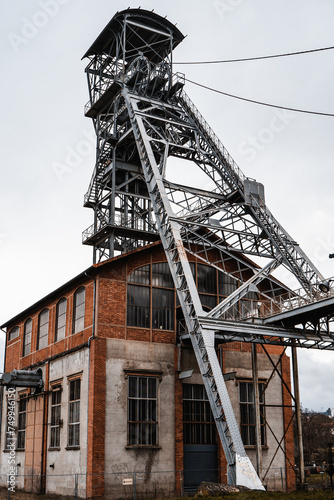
x=259 y=102
x=255 y=58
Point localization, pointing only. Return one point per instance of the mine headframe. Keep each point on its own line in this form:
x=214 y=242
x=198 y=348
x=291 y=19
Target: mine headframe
x=143 y=117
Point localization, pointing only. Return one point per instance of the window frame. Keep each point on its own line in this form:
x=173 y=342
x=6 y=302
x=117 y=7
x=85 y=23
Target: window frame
x=79 y=321
x=141 y=313
x=61 y=301
x=141 y=432
x=148 y=283
x=41 y=328
x=247 y=429
x=25 y=334
x=200 y=428
x=21 y=423
x=55 y=407
x=13 y=333
x=72 y=442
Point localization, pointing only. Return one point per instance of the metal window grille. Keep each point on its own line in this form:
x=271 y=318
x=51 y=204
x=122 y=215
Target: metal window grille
x=21 y=425
x=79 y=310
x=198 y=422
x=74 y=413
x=55 y=417
x=43 y=329
x=27 y=337
x=61 y=319
x=247 y=413
x=143 y=411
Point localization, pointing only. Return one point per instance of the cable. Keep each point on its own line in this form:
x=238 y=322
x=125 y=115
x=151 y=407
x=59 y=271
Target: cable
x=255 y=58
x=259 y=102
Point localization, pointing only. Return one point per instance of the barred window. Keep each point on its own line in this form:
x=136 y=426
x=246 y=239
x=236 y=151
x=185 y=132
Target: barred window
x=55 y=417
x=198 y=422
x=247 y=413
x=61 y=311
x=79 y=310
x=143 y=411
x=74 y=413
x=43 y=329
x=27 y=337
x=14 y=332
x=21 y=425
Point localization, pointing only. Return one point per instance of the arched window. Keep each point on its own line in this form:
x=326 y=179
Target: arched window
x=14 y=332
x=150 y=297
x=61 y=311
x=27 y=337
x=79 y=310
x=43 y=329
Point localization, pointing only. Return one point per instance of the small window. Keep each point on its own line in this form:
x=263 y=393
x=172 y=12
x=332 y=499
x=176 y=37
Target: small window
x=43 y=329
x=14 y=332
x=27 y=337
x=142 y=411
x=55 y=417
x=79 y=310
x=247 y=413
x=21 y=425
x=74 y=413
x=61 y=311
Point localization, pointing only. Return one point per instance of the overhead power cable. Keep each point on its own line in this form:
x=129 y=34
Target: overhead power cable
x=255 y=58
x=259 y=102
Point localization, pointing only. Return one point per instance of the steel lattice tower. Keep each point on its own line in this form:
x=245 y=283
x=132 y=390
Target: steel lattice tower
x=142 y=116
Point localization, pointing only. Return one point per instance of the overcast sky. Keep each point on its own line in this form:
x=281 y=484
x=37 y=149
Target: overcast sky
x=47 y=151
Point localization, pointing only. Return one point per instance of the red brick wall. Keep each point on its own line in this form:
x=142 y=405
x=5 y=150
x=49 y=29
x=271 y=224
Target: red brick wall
x=96 y=418
x=14 y=352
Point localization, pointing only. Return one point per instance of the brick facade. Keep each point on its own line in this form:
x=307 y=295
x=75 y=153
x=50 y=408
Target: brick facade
x=110 y=312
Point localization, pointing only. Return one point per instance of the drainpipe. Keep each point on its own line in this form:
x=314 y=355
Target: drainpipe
x=89 y=341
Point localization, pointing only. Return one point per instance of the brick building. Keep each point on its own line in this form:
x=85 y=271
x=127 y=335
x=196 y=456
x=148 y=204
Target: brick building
x=121 y=393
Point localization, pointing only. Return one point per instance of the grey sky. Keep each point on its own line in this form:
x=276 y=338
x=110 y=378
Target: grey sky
x=48 y=145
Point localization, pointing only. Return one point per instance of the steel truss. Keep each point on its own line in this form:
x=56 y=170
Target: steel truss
x=143 y=117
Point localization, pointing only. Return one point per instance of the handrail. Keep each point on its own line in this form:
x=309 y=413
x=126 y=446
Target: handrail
x=185 y=99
